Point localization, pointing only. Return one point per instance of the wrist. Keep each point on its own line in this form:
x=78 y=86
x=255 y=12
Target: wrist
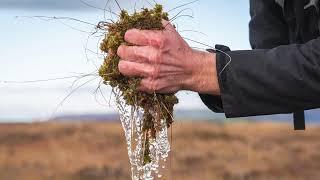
x=204 y=76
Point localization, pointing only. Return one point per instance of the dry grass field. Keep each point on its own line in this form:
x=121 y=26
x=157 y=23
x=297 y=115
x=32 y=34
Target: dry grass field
x=201 y=151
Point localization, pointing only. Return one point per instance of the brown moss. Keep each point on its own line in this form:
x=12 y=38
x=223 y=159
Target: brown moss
x=155 y=106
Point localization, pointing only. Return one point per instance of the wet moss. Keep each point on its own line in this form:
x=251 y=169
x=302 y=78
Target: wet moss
x=156 y=107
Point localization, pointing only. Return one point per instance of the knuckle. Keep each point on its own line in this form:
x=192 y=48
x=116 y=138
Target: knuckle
x=156 y=57
x=161 y=41
x=155 y=73
x=150 y=73
x=150 y=86
x=139 y=53
x=158 y=40
x=134 y=51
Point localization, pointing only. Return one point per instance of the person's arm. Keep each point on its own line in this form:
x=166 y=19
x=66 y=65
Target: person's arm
x=167 y=63
x=256 y=82
x=281 y=80
x=268 y=29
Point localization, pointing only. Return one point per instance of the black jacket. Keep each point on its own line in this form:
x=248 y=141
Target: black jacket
x=282 y=72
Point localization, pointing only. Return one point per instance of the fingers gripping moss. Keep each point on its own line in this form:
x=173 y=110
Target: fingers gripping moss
x=159 y=104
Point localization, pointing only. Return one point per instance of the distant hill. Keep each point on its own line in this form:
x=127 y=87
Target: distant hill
x=195 y=115
x=179 y=114
x=88 y=117
x=312 y=116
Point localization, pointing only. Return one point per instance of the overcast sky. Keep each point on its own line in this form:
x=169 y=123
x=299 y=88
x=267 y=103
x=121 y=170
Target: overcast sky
x=67 y=5
x=48 y=4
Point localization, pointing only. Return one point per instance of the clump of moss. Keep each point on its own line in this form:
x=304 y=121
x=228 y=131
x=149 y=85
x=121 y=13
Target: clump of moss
x=156 y=107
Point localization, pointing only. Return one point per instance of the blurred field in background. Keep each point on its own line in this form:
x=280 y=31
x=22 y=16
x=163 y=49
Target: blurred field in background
x=201 y=151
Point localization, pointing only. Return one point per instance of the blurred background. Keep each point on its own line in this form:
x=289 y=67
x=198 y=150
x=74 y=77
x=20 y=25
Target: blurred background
x=55 y=125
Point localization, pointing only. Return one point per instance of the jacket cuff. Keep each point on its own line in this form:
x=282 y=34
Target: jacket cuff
x=215 y=103
x=223 y=61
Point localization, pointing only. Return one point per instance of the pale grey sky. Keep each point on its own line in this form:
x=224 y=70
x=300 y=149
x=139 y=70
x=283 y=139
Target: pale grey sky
x=33 y=49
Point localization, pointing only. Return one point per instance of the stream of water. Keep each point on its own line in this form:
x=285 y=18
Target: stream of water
x=131 y=119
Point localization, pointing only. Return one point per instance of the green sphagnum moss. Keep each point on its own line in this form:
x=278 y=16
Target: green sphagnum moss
x=160 y=104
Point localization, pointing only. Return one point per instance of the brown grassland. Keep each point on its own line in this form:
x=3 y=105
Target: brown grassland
x=201 y=151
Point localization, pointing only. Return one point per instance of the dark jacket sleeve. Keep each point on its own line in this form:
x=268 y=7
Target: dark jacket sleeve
x=283 y=79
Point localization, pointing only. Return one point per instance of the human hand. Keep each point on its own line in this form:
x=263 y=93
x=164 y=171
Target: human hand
x=167 y=63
